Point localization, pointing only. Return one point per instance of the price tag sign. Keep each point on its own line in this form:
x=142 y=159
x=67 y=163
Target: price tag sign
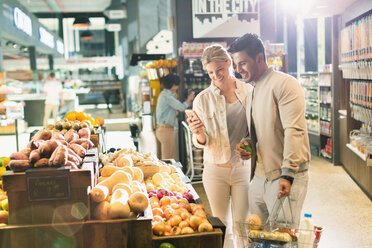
x=48 y=184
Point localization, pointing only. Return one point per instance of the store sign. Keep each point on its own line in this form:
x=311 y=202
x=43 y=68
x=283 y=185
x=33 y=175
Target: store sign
x=225 y=18
x=46 y=37
x=113 y=27
x=22 y=21
x=48 y=184
x=60 y=47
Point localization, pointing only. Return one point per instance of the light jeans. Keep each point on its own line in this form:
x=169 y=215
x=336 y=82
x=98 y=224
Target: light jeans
x=227 y=191
x=263 y=195
x=50 y=108
x=165 y=135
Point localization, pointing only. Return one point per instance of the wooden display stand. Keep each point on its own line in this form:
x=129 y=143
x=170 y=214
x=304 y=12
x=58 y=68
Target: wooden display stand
x=55 y=205
x=195 y=240
x=121 y=233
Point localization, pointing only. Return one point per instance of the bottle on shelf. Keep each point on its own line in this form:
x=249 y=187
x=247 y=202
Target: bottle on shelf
x=306 y=236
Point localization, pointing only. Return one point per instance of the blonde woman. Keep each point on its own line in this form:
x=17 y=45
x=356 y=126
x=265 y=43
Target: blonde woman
x=221 y=125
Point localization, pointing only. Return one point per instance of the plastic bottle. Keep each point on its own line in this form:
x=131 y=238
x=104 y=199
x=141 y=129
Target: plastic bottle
x=306 y=236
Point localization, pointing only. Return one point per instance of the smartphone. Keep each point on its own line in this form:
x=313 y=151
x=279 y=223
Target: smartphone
x=191 y=114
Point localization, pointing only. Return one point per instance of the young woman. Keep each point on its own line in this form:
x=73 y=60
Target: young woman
x=220 y=125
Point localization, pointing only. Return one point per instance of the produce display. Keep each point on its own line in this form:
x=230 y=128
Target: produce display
x=50 y=148
x=163 y=63
x=174 y=216
x=120 y=192
x=166 y=180
x=4 y=210
x=72 y=122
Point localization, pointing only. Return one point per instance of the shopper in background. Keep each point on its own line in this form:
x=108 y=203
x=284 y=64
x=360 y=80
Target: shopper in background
x=275 y=113
x=222 y=124
x=166 y=114
x=54 y=97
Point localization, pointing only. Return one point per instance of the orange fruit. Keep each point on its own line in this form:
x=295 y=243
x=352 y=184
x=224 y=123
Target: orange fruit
x=81 y=116
x=157 y=211
x=71 y=116
x=90 y=119
x=100 y=120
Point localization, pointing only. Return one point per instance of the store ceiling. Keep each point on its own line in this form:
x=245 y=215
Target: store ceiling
x=326 y=8
x=65 y=6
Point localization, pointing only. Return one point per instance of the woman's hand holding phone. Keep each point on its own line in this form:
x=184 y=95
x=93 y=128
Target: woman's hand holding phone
x=195 y=125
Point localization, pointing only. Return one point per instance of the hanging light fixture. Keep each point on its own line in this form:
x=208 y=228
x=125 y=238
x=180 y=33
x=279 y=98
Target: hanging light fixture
x=86 y=35
x=82 y=22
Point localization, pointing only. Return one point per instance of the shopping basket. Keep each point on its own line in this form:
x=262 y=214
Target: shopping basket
x=275 y=233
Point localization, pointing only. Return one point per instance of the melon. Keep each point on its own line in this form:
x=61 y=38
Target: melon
x=253 y=222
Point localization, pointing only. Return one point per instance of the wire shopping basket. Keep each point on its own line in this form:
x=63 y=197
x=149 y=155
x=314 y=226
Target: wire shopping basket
x=276 y=232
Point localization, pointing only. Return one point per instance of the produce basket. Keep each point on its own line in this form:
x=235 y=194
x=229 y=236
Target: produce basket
x=275 y=233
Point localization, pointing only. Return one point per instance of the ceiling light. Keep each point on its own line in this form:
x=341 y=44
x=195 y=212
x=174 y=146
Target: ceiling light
x=321 y=6
x=81 y=22
x=86 y=35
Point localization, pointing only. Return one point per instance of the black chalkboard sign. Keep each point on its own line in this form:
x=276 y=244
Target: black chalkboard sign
x=48 y=184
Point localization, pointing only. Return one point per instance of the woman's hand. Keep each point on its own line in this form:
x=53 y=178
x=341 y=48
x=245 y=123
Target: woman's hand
x=196 y=127
x=242 y=153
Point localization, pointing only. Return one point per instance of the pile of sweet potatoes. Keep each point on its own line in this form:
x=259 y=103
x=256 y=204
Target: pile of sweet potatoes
x=53 y=149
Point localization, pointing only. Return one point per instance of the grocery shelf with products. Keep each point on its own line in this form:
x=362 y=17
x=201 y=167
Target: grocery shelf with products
x=356 y=66
x=318 y=98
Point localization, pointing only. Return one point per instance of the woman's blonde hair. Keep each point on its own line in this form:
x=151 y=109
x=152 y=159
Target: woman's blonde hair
x=214 y=52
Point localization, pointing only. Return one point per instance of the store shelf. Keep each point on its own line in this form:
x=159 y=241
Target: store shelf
x=311 y=113
x=325 y=119
x=310 y=87
x=312 y=133
x=326 y=134
x=357 y=152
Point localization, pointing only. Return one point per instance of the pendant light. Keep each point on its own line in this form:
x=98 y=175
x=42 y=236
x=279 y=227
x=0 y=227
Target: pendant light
x=86 y=35
x=82 y=22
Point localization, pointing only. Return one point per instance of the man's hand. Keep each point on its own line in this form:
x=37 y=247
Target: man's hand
x=284 y=188
x=241 y=153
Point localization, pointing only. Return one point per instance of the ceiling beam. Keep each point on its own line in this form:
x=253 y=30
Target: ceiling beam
x=67 y=15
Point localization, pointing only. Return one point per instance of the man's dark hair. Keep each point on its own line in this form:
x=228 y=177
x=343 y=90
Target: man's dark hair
x=250 y=43
x=169 y=80
x=52 y=75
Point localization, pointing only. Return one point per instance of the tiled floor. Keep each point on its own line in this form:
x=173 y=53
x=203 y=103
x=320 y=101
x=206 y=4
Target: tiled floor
x=333 y=198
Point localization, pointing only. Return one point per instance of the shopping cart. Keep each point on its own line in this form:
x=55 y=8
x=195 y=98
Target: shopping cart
x=276 y=233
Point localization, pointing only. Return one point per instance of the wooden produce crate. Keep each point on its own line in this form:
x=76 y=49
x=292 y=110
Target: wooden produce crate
x=48 y=195
x=121 y=233
x=194 y=240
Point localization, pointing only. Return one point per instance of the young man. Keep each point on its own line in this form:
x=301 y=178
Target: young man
x=53 y=91
x=276 y=121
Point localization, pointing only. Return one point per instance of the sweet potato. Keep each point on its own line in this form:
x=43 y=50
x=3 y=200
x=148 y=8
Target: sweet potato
x=42 y=134
x=78 y=149
x=71 y=135
x=34 y=156
x=60 y=156
x=47 y=148
x=81 y=142
x=77 y=157
x=42 y=162
x=57 y=136
x=84 y=133
x=18 y=156
x=19 y=165
x=26 y=151
x=72 y=164
x=34 y=144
